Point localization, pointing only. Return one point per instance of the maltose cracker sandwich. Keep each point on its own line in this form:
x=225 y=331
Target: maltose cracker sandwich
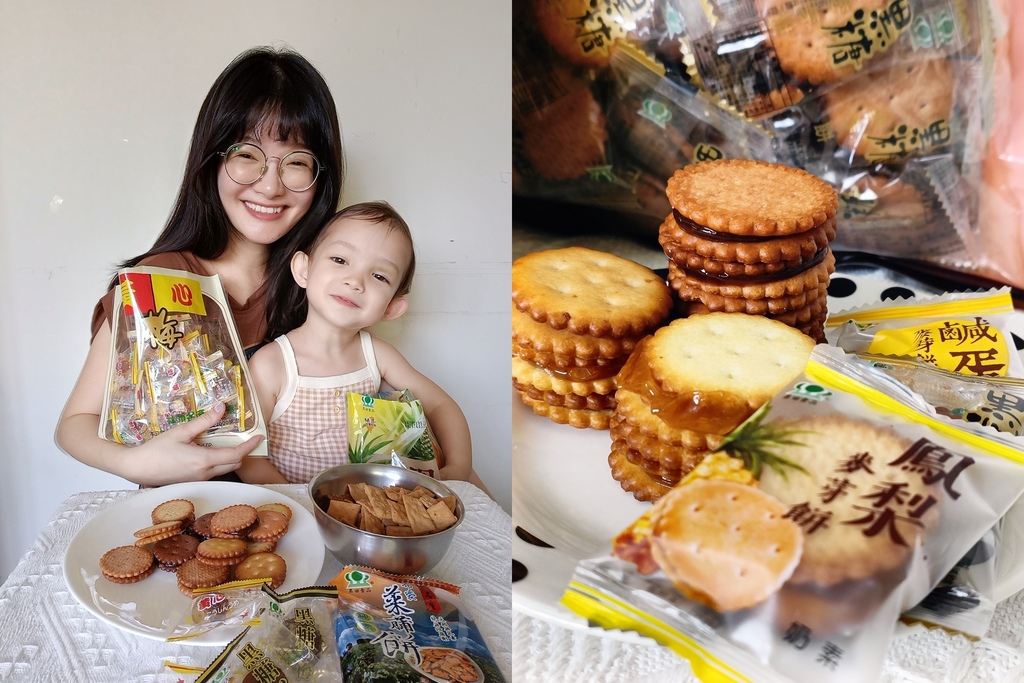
x=751 y=237
x=577 y=315
x=689 y=384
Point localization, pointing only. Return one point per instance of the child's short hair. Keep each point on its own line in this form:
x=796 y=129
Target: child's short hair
x=379 y=212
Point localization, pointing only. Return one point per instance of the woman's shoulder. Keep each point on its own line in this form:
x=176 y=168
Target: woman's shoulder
x=178 y=260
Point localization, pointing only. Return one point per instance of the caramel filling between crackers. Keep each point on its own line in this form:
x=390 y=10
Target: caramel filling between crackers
x=713 y=412
x=586 y=373
x=701 y=231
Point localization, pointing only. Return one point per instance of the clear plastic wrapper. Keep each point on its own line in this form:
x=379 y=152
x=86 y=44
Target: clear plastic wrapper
x=232 y=604
x=997 y=402
x=293 y=641
x=896 y=103
x=964 y=332
x=406 y=629
x=764 y=56
x=866 y=499
x=174 y=353
x=964 y=601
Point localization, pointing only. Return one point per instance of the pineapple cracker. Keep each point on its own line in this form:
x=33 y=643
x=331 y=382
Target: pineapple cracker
x=175 y=352
x=791 y=550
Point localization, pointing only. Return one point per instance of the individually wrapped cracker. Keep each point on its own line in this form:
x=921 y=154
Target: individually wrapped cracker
x=964 y=332
x=174 y=353
x=888 y=495
x=292 y=641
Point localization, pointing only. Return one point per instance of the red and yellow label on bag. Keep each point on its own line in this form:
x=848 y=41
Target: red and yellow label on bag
x=152 y=292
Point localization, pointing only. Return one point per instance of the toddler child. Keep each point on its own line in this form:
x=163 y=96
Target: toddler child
x=355 y=273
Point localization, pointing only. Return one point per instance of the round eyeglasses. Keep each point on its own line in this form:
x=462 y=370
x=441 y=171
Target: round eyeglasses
x=246 y=163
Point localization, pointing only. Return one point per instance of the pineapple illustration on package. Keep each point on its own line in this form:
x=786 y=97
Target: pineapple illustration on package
x=392 y=424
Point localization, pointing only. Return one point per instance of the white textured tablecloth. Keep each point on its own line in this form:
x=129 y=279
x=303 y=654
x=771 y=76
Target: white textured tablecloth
x=545 y=651
x=45 y=635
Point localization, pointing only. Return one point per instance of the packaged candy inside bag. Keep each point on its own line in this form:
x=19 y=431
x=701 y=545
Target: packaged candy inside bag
x=398 y=629
x=392 y=425
x=865 y=499
x=174 y=353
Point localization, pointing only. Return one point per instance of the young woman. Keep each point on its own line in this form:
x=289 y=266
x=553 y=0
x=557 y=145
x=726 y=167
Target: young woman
x=265 y=167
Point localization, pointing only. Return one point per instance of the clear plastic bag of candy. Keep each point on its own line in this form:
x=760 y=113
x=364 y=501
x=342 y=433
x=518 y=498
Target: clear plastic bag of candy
x=175 y=352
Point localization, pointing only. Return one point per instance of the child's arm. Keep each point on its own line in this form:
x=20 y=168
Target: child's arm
x=257 y=469
x=443 y=413
x=266 y=367
x=168 y=458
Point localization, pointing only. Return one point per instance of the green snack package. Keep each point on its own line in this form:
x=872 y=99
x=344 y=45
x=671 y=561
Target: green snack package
x=392 y=424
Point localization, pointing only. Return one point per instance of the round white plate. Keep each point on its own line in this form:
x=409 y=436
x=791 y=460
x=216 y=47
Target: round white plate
x=154 y=607
x=564 y=496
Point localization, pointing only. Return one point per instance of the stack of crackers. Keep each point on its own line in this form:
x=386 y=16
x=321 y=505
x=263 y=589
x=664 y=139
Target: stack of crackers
x=688 y=385
x=577 y=315
x=393 y=510
x=234 y=542
x=751 y=237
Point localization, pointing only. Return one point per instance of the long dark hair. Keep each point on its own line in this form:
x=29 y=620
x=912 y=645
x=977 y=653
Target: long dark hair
x=261 y=86
x=290 y=304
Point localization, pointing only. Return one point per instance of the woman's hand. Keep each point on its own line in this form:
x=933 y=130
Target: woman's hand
x=166 y=459
x=173 y=456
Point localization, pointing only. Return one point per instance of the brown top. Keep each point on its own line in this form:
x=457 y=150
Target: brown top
x=743 y=197
x=250 y=318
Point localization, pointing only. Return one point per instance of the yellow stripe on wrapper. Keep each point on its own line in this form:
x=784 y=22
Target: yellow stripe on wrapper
x=241 y=397
x=887 y=404
x=178 y=294
x=1001 y=302
x=197 y=373
x=610 y=613
x=113 y=421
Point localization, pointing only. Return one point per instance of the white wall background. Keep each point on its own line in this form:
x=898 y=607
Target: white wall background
x=97 y=104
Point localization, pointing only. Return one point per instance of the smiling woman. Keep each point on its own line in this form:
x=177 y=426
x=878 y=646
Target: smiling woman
x=230 y=219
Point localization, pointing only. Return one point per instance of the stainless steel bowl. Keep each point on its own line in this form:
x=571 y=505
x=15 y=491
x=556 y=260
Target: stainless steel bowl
x=395 y=554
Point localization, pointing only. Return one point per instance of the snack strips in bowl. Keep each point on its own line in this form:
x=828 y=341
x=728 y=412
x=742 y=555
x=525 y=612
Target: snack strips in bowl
x=861 y=499
x=407 y=628
x=393 y=510
x=175 y=352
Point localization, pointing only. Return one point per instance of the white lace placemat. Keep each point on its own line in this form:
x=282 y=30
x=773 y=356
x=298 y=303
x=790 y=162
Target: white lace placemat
x=544 y=651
